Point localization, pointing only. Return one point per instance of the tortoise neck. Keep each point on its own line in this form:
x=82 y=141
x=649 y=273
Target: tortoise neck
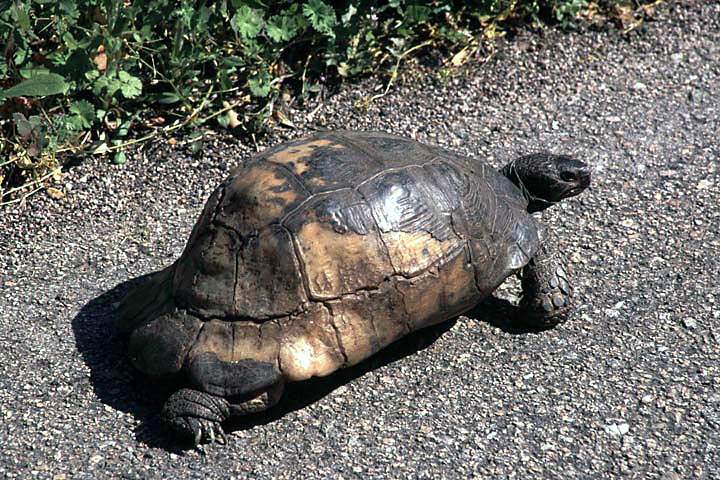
x=513 y=172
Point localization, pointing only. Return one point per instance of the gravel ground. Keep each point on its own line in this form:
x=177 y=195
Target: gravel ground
x=629 y=387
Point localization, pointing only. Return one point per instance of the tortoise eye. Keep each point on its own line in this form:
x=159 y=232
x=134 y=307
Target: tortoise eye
x=568 y=176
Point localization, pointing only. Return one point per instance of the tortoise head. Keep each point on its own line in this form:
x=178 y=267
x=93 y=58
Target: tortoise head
x=545 y=179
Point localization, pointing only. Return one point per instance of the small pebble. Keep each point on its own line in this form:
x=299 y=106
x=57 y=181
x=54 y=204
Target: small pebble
x=617 y=429
x=689 y=323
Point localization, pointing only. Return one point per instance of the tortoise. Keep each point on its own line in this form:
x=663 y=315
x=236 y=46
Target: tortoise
x=314 y=255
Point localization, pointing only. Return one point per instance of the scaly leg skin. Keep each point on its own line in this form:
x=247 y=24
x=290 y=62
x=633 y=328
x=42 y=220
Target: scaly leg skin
x=547 y=294
x=261 y=402
x=196 y=415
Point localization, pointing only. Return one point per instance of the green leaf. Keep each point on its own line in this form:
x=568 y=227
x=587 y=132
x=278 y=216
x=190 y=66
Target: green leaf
x=70 y=42
x=232 y=61
x=130 y=87
x=41 y=85
x=282 y=28
x=33 y=72
x=251 y=48
x=84 y=113
x=201 y=23
x=196 y=144
x=321 y=16
x=224 y=79
x=22 y=17
x=247 y=22
x=77 y=66
x=351 y=11
x=119 y=158
x=167 y=98
x=69 y=10
x=20 y=55
x=275 y=32
x=71 y=123
x=124 y=128
x=417 y=13
x=109 y=84
x=259 y=85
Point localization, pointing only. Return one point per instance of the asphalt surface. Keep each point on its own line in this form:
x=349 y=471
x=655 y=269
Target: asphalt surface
x=629 y=387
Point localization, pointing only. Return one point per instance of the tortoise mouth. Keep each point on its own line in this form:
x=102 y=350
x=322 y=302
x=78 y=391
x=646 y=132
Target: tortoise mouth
x=578 y=186
x=573 y=192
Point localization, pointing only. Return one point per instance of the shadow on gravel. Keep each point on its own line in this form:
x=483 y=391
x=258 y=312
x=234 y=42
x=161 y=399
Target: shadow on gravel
x=114 y=380
x=500 y=313
x=119 y=386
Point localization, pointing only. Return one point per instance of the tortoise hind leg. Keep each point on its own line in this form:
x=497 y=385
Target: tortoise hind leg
x=221 y=390
x=195 y=415
x=547 y=293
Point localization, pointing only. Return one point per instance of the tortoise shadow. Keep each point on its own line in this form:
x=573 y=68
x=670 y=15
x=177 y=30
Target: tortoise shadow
x=118 y=385
x=114 y=380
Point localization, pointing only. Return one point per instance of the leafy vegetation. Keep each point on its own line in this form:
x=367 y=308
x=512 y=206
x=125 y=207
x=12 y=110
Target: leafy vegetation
x=78 y=75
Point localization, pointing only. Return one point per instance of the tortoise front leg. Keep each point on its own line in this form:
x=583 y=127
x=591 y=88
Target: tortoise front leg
x=547 y=294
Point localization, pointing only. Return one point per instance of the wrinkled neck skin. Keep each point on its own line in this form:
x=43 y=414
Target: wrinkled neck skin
x=513 y=172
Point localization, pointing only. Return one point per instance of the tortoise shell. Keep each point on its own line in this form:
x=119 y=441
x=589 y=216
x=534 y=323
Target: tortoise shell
x=317 y=253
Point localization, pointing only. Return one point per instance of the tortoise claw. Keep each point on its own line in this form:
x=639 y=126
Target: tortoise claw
x=198 y=436
x=211 y=433
x=220 y=435
x=206 y=431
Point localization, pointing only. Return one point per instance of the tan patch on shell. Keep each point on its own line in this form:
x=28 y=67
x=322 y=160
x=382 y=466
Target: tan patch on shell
x=316 y=182
x=309 y=346
x=441 y=293
x=337 y=263
x=413 y=252
x=248 y=343
x=368 y=321
x=294 y=157
x=355 y=329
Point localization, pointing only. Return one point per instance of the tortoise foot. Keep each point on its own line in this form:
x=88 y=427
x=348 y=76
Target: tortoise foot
x=196 y=416
x=546 y=310
x=547 y=294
